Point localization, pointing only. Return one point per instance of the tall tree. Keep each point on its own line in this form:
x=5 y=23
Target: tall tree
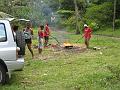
x=77 y=17
x=114 y=15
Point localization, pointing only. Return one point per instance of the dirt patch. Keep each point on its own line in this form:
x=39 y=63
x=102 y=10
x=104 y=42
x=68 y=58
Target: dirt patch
x=54 y=52
x=74 y=48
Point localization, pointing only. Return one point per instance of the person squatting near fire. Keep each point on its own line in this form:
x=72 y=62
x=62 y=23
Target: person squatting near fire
x=87 y=34
x=28 y=33
x=40 y=38
x=46 y=34
x=20 y=41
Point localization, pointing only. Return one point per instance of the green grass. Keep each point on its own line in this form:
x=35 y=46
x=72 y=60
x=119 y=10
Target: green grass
x=109 y=32
x=60 y=70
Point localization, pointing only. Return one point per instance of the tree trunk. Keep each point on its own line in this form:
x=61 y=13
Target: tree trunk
x=114 y=15
x=77 y=16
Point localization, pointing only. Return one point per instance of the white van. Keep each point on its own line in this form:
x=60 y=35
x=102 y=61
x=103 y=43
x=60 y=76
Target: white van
x=8 y=52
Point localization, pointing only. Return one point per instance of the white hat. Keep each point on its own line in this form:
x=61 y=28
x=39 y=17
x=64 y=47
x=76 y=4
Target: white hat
x=85 y=25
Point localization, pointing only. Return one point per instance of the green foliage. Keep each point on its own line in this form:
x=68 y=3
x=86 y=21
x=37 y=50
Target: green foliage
x=21 y=12
x=94 y=26
x=93 y=12
x=108 y=31
x=99 y=14
x=117 y=23
x=54 y=4
x=70 y=21
x=69 y=4
x=100 y=1
x=65 y=13
x=118 y=9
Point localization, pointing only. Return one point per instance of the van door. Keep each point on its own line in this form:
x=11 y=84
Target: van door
x=7 y=44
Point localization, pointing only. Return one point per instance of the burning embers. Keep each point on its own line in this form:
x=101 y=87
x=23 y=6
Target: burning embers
x=67 y=45
x=73 y=47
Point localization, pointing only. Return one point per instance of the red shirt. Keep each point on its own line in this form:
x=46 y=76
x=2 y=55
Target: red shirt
x=41 y=34
x=47 y=31
x=87 y=32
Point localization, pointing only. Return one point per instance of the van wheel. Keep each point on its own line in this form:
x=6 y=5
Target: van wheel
x=2 y=75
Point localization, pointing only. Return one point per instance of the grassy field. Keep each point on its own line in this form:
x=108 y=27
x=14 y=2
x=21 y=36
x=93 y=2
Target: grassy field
x=66 y=70
x=109 y=32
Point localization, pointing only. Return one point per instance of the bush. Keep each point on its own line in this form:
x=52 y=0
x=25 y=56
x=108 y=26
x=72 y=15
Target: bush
x=94 y=26
x=117 y=23
x=100 y=14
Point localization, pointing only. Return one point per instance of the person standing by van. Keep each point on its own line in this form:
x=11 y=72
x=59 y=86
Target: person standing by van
x=20 y=40
x=28 y=33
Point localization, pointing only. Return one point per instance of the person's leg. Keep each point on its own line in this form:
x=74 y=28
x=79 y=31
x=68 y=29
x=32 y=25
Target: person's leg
x=39 y=50
x=30 y=49
x=46 y=40
x=40 y=46
x=87 y=42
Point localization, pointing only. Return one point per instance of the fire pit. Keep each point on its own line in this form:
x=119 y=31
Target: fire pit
x=75 y=48
x=72 y=46
x=68 y=47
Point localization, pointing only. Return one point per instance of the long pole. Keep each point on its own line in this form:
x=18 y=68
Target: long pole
x=114 y=14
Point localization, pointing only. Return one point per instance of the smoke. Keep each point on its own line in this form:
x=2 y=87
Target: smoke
x=40 y=11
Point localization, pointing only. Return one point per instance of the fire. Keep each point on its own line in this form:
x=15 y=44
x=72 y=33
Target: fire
x=67 y=44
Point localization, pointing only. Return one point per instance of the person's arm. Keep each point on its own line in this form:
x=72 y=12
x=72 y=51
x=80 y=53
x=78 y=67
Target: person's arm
x=49 y=30
x=24 y=29
x=32 y=33
x=42 y=34
x=38 y=32
x=83 y=35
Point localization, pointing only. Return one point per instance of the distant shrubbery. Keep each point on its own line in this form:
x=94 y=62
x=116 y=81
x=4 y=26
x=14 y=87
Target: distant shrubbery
x=101 y=15
x=117 y=23
x=97 y=15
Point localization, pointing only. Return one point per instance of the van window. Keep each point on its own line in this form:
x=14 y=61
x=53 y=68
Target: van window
x=3 y=36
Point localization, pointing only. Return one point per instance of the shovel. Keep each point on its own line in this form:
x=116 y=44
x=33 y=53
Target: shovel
x=55 y=39
x=79 y=39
